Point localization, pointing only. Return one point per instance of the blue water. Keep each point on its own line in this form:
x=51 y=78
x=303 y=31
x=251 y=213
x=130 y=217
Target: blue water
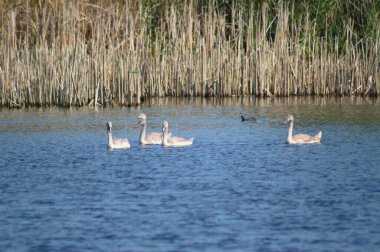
x=238 y=188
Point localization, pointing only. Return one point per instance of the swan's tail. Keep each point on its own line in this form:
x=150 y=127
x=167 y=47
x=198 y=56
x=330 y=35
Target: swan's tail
x=318 y=136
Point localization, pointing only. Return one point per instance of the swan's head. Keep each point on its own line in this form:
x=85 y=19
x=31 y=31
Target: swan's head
x=142 y=116
x=142 y=119
x=165 y=126
x=290 y=118
x=109 y=127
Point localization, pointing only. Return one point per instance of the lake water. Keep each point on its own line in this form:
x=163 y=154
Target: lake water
x=238 y=188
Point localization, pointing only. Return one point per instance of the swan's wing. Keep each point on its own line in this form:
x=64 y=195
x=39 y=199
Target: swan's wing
x=179 y=140
x=155 y=134
x=154 y=137
x=303 y=138
x=176 y=139
x=160 y=134
x=121 y=141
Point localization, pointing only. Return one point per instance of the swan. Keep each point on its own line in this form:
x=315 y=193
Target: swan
x=301 y=138
x=152 y=138
x=116 y=143
x=173 y=141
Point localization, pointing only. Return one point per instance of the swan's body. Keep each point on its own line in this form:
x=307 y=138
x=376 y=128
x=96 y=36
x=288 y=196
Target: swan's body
x=243 y=118
x=301 y=138
x=173 y=141
x=152 y=138
x=116 y=143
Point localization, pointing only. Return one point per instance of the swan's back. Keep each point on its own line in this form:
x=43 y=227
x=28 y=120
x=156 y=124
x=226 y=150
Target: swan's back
x=154 y=136
x=303 y=138
x=179 y=141
x=121 y=143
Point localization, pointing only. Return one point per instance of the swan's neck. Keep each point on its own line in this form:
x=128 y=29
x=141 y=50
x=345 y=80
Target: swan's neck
x=110 y=142
x=142 y=133
x=165 y=137
x=290 y=132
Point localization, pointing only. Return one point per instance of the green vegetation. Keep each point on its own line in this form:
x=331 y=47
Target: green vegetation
x=100 y=52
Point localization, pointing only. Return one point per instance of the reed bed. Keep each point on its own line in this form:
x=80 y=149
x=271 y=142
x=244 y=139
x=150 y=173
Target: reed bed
x=76 y=53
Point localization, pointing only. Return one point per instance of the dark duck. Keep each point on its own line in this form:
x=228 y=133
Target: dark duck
x=243 y=118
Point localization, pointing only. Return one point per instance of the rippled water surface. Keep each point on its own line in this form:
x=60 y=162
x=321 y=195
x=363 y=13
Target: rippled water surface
x=238 y=188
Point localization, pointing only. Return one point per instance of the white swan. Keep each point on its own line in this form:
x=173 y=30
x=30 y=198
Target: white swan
x=152 y=138
x=116 y=143
x=173 y=141
x=301 y=138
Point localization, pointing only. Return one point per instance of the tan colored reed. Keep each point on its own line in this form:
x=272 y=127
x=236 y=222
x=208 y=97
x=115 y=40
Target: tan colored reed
x=95 y=55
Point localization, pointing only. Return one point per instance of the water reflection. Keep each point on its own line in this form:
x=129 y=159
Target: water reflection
x=259 y=102
x=308 y=111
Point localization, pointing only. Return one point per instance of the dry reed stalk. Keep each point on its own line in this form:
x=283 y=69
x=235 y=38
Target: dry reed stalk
x=94 y=55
